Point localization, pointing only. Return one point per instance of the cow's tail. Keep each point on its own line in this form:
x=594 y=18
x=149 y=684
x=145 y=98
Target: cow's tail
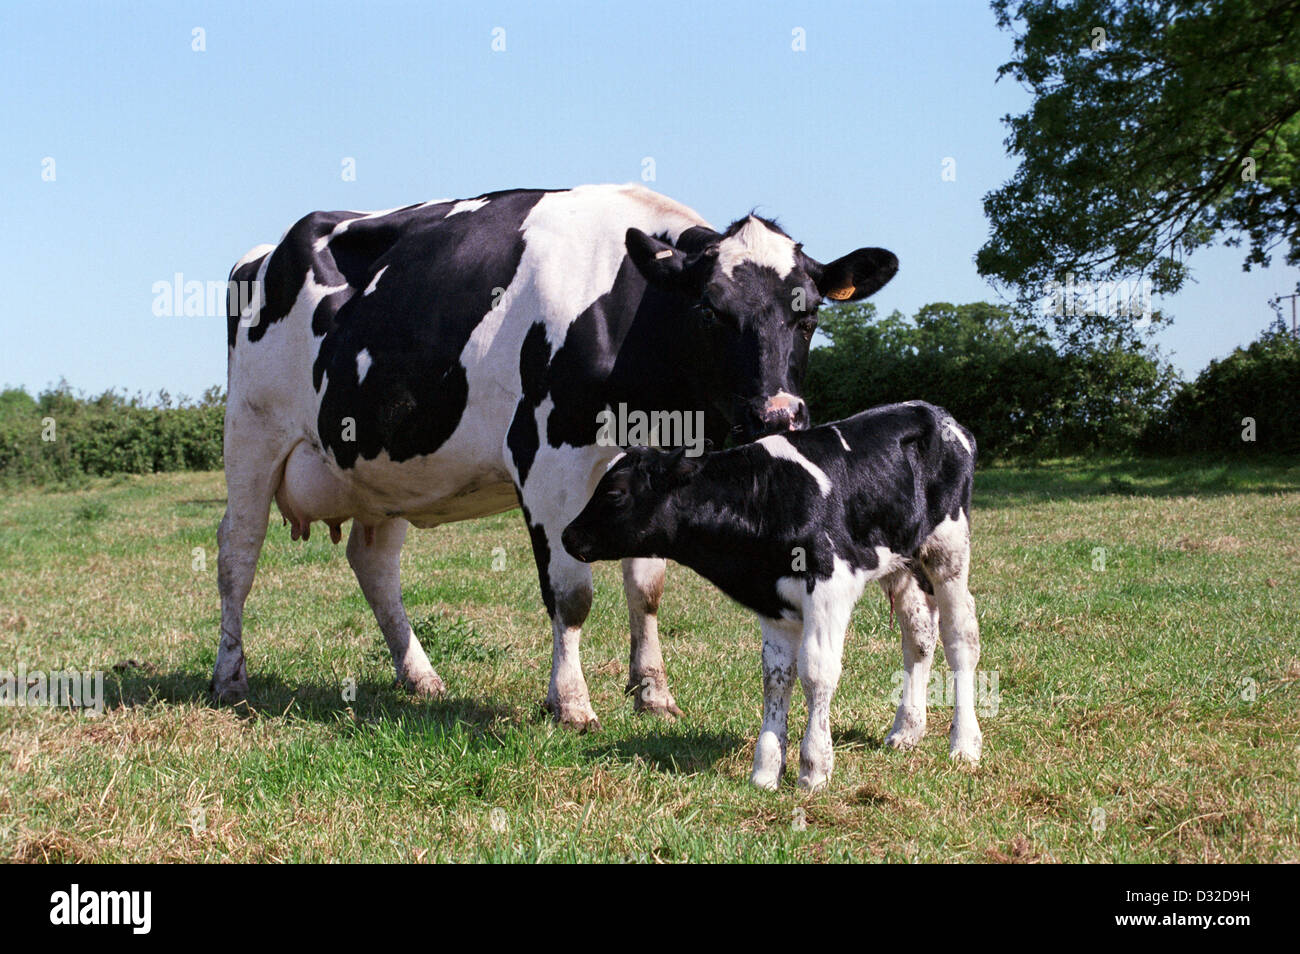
x=244 y=298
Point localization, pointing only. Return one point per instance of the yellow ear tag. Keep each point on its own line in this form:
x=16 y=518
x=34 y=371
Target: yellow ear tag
x=664 y=253
x=842 y=294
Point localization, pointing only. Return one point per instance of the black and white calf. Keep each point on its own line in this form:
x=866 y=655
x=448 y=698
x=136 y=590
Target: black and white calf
x=794 y=526
x=451 y=359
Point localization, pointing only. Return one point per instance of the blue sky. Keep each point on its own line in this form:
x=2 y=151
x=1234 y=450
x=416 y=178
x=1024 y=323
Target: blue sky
x=169 y=160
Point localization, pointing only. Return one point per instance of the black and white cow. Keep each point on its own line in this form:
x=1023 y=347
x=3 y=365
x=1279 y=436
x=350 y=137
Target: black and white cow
x=449 y=360
x=794 y=527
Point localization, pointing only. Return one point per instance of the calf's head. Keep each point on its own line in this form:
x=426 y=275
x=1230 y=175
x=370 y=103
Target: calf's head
x=752 y=295
x=631 y=513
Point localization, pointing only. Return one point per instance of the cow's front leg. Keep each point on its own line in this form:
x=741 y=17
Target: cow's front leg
x=377 y=564
x=566 y=590
x=647 y=683
x=780 y=669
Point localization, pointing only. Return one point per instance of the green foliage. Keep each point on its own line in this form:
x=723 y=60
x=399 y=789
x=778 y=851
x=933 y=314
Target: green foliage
x=107 y=434
x=1181 y=124
x=1260 y=381
x=997 y=372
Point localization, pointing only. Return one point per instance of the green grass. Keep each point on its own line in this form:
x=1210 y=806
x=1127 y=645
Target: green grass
x=1127 y=728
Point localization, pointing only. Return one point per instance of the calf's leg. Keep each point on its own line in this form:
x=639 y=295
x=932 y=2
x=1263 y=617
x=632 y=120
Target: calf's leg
x=918 y=621
x=946 y=560
x=377 y=565
x=780 y=668
x=826 y=619
x=647 y=683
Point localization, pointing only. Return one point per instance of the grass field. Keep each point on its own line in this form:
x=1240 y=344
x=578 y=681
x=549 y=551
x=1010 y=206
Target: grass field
x=1149 y=711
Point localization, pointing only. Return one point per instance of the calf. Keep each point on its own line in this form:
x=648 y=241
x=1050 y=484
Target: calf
x=794 y=526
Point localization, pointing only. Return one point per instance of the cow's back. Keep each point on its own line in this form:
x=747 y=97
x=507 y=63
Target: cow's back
x=390 y=343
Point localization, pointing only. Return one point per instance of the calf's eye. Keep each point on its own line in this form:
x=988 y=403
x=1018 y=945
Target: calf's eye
x=806 y=329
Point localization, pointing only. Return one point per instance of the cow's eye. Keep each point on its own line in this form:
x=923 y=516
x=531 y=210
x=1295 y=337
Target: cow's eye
x=806 y=328
x=617 y=496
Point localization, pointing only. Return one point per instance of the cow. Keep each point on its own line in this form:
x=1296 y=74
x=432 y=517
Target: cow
x=451 y=359
x=793 y=527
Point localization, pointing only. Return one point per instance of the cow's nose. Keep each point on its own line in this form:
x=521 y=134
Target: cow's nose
x=784 y=411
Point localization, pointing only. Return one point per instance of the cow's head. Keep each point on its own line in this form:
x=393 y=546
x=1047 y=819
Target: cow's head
x=753 y=295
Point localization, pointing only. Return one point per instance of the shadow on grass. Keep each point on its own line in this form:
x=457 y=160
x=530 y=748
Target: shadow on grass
x=1072 y=479
x=677 y=749
x=270 y=697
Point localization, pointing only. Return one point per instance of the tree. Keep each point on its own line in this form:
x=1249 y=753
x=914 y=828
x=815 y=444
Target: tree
x=1157 y=127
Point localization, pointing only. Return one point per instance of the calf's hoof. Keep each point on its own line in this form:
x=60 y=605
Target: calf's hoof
x=769 y=762
x=427 y=685
x=908 y=730
x=813 y=781
x=966 y=749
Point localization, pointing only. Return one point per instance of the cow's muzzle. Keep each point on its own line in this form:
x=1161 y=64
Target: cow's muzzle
x=780 y=412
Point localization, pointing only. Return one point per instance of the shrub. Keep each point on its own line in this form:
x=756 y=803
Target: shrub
x=1260 y=381
x=999 y=373
x=106 y=434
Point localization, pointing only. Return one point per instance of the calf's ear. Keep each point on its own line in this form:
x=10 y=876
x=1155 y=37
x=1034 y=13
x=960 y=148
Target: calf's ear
x=857 y=275
x=675 y=469
x=663 y=264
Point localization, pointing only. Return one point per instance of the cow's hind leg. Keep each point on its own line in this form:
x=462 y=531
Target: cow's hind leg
x=253 y=467
x=918 y=620
x=377 y=564
x=945 y=557
x=647 y=683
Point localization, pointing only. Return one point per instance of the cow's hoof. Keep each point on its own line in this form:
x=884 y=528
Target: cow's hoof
x=426 y=686
x=654 y=703
x=576 y=717
x=230 y=692
x=650 y=696
x=767 y=781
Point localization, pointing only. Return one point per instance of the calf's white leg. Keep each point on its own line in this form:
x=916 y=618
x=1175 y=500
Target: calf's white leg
x=780 y=669
x=377 y=565
x=826 y=619
x=918 y=621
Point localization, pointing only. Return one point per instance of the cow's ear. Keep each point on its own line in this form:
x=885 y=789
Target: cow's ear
x=658 y=261
x=857 y=275
x=668 y=266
